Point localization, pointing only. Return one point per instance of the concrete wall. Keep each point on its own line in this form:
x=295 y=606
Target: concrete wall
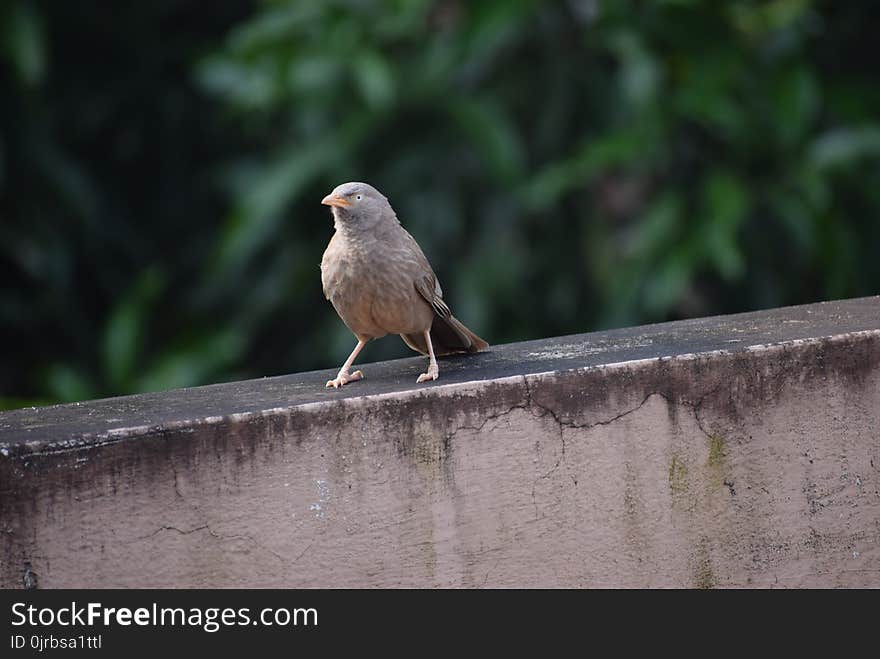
x=741 y=451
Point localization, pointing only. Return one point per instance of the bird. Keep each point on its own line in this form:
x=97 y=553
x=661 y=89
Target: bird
x=379 y=281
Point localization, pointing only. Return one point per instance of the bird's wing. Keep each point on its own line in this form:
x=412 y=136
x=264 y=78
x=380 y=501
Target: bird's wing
x=427 y=287
x=426 y=284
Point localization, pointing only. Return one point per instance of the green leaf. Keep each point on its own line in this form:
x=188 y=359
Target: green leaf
x=252 y=223
x=658 y=229
x=193 y=361
x=666 y=284
x=492 y=133
x=797 y=218
x=66 y=384
x=123 y=334
x=843 y=146
x=596 y=155
x=725 y=202
x=710 y=94
x=639 y=74
x=758 y=19
x=796 y=103
x=375 y=79
x=312 y=73
x=491 y=27
x=24 y=40
x=274 y=27
x=249 y=86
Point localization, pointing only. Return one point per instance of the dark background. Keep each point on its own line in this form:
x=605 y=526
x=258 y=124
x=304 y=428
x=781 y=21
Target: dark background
x=566 y=166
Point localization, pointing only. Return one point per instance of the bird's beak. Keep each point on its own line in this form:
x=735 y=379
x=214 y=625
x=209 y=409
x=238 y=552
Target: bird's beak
x=331 y=200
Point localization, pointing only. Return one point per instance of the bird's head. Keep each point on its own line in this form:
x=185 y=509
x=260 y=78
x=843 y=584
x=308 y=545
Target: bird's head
x=358 y=206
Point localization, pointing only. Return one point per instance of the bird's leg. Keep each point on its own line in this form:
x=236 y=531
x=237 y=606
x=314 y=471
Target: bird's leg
x=433 y=371
x=344 y=377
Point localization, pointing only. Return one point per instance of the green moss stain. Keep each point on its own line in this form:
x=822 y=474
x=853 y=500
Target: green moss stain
x=678 y=476
x=716 y=451
x=704 y=579
x=715 y=467
x=703 y=575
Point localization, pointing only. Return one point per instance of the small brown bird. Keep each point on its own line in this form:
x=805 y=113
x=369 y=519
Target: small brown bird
x=379 y=281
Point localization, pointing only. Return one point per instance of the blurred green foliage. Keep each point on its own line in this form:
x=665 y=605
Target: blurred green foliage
x=566 y=166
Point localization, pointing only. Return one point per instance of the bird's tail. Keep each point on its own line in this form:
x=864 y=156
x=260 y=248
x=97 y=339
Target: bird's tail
x=448 y=337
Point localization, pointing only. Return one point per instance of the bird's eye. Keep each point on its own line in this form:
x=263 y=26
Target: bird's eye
x=358 y=197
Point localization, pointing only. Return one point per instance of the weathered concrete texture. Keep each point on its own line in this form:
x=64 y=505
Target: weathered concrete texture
x=741 y=462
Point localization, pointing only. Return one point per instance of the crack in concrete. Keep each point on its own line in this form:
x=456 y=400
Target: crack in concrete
x=207 y=526
x=540 y=411
x=696 y=407
x=479 y=428
x=559 y=425
x=168 y=527
x=489 y=571
x=221 y=536
x=586 y=426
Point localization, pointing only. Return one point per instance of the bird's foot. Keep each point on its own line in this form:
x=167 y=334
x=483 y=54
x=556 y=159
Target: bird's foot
x=344 y=378
x=432 y=374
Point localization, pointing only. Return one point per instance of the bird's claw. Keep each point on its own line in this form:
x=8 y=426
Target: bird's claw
x=344 y=378
x=432 y=374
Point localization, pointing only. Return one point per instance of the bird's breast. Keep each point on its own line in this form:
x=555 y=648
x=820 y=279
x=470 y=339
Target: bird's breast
x=372 y=288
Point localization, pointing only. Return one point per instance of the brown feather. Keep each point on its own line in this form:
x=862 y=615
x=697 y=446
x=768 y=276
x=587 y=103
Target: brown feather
x=448 y=336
